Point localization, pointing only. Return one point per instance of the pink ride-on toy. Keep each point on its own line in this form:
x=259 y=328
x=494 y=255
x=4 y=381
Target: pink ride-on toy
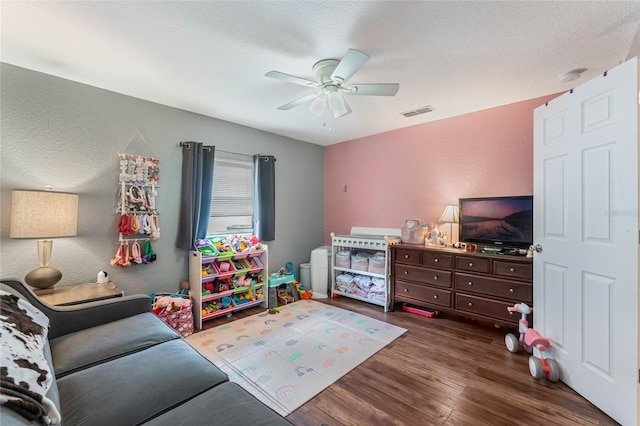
x=539 y=365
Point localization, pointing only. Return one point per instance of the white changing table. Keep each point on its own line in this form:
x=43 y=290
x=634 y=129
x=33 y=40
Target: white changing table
x=369 y=240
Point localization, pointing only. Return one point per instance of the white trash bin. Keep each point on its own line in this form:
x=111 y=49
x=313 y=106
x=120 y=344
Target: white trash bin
x=319 y=272
x=305 y=276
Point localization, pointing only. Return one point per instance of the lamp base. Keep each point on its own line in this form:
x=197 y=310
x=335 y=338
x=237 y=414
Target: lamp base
x=43 y=277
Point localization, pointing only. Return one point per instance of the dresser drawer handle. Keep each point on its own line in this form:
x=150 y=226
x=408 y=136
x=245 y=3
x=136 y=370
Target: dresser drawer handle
x=406 y=290
x=406 y=256
x=469 y=283
x=435 y=278
x=470 y=264
x=511 y=313
x=406 y=272
x=470 y=304
x=512 y=269
x=435 y=296
x=435 y=260
x=510 y=290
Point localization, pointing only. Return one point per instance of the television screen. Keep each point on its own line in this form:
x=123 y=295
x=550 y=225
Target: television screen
x=506 y=221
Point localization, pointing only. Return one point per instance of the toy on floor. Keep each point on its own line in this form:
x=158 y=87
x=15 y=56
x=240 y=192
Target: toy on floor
x=424 y=312
x=540 y=364
x=304 y=294
x=284 y=297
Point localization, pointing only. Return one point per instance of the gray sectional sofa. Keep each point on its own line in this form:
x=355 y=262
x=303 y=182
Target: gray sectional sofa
x=115 y=363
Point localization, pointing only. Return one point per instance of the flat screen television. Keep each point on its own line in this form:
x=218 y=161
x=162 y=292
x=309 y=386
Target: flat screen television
x=497 y=221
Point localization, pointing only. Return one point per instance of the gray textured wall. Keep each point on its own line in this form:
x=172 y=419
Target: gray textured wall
x=66 y=134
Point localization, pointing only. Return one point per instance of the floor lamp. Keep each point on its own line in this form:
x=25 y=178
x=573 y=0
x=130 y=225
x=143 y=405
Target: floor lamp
x=450 y=216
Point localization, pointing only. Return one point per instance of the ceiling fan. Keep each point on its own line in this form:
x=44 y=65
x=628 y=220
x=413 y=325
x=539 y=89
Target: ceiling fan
x=330 y=75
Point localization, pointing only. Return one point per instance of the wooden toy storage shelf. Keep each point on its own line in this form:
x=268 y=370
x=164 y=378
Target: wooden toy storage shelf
x=196 y=281
x=365 y=243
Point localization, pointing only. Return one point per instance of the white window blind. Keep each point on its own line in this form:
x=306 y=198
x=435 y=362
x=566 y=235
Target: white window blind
x=232 y=198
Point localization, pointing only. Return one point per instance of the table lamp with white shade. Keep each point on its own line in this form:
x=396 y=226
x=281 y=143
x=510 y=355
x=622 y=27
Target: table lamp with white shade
x=43 y=215
x=450 y=216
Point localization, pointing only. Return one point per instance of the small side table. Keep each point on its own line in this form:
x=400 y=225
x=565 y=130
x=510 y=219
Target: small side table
x=81 y=293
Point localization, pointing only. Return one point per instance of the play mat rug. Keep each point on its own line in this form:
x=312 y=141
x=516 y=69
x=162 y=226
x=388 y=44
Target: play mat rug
x=285 y=359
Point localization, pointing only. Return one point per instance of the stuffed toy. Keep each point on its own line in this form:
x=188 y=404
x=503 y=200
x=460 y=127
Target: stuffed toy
x=169 y=305
x=184 y=288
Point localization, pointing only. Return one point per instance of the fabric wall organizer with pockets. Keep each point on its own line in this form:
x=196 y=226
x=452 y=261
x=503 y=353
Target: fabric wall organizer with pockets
x=138 y=222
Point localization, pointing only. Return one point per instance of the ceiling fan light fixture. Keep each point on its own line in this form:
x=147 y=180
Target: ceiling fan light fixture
x=330 y=74
x=338 y=104
x=318 y=105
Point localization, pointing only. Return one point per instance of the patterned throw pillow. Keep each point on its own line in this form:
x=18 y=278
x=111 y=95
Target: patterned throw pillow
x=25 y=376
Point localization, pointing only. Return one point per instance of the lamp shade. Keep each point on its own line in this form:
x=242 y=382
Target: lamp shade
x=43 y=214
x=450 y=214
x=318 y=105
x=337 y=103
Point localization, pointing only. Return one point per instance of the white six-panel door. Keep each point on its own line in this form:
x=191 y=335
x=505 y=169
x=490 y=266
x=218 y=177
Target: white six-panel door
x=586 y=222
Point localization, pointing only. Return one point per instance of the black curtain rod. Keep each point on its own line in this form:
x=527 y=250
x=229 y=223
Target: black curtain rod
x=207 y=147
x=266 y=157
x=219 y=150
x=231 y=152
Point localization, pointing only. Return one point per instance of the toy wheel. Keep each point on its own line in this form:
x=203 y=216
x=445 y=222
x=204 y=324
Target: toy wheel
x=512 y=343
x=554 y=370
x=535 y=367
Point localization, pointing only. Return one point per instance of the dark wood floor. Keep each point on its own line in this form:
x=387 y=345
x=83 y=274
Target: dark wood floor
x=444 y=371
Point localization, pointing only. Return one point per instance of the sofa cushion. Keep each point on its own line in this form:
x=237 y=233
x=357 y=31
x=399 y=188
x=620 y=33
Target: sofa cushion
x=226 y=404
x=95 y=345
x=53 y=393
x=25 y=373
x=135 y=388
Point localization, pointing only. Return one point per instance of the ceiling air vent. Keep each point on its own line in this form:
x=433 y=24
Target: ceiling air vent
x=418 y=111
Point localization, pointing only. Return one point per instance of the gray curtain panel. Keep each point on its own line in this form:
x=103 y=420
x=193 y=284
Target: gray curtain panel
x=195 y=197
x=264 y=205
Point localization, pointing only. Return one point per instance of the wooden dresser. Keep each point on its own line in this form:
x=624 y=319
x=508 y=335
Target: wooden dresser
x=475 y=285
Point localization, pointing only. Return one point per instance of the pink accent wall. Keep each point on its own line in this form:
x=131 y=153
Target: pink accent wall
x=412 y=173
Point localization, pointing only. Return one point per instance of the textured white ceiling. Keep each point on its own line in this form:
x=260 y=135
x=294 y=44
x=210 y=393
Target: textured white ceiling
x=210 y=57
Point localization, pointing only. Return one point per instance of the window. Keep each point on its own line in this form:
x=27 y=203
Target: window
x=232 y=198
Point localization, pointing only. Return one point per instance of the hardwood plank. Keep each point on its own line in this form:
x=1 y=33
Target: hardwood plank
x=446 y=370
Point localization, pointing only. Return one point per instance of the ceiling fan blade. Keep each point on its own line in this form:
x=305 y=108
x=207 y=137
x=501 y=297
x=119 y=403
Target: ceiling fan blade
x=338 y=105
x=291 y=79
x=350 y=63
x=297 y=102
x=382 y=89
